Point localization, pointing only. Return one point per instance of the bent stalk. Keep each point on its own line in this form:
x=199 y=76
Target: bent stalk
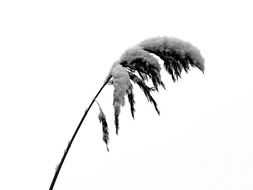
x=57 y=171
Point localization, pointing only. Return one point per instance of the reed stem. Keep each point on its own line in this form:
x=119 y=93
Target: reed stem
x=57 y=171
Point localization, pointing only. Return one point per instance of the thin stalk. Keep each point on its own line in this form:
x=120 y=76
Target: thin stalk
x=57 y=171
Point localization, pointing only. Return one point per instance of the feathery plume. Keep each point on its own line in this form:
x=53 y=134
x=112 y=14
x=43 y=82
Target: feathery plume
x=102 y=119
x=175 y=53
x=121 y=83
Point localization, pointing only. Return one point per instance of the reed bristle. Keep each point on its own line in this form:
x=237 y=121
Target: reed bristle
x=131 y=100
x=145 y=89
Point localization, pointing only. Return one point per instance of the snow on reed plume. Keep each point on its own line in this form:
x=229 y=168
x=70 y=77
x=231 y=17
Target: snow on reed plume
x=121 y=83
x=176 y=54
x=137 y=64
x=137 y=59
x=102 y=119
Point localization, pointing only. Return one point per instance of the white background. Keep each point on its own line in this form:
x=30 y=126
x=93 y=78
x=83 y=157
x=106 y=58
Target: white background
x=55 y=55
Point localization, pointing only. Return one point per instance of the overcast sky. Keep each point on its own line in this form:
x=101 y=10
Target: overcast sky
x=54 y=57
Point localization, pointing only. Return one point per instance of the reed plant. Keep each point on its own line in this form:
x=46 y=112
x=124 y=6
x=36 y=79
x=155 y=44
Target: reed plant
x=137 y=65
